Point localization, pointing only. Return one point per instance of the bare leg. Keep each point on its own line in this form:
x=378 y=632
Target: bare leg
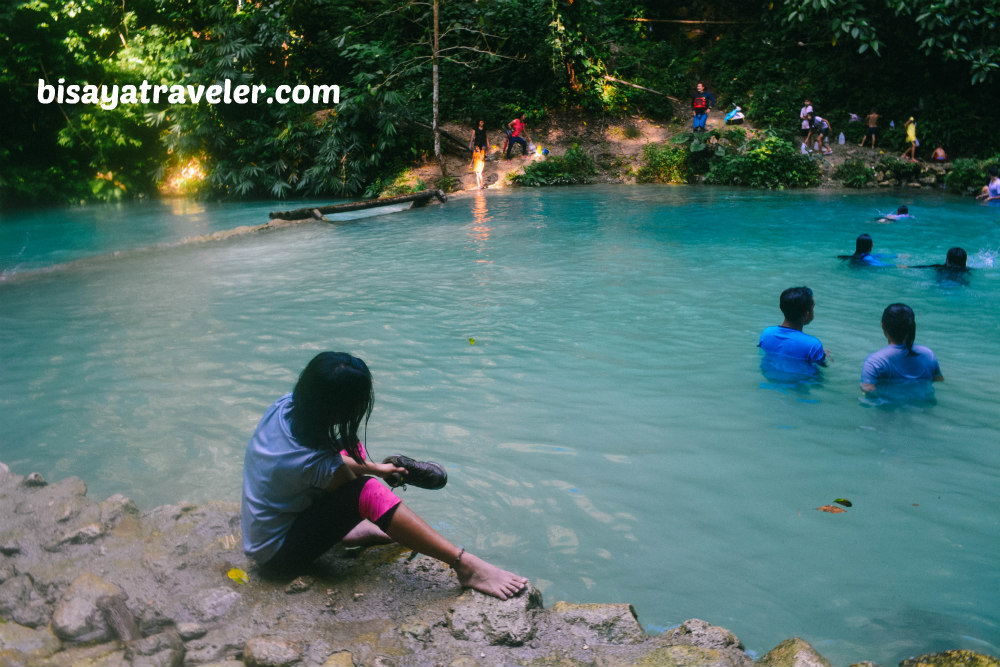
x=411 y=531
x=365 y=534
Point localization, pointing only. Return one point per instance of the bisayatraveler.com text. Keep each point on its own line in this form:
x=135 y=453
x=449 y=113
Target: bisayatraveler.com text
x=109 y=97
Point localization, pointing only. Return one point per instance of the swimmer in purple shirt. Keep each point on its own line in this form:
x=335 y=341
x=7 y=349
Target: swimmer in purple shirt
x=900 y=362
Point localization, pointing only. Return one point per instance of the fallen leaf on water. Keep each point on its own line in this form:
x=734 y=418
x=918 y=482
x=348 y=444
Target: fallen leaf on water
x=238 y=575
x=843 y=501
x=832 y=509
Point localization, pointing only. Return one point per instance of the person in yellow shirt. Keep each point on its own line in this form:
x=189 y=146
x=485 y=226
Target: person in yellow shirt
x=911 y=138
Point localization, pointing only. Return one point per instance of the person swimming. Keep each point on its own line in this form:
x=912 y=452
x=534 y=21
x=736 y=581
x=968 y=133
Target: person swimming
x=902 y=213
x=954 y=268
x=863 y=253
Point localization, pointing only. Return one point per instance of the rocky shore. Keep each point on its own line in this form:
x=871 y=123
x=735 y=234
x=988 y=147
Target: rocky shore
x=101 y=583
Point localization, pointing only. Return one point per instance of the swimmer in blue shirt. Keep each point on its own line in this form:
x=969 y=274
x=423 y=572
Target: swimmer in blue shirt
x=789 y=354
x=863 y=253
x=901 y=369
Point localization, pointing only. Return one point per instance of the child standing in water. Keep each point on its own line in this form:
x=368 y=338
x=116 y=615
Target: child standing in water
x=307 y=483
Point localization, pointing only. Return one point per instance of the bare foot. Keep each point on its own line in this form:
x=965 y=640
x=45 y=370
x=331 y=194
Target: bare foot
x=473 y=572
x=365 y=534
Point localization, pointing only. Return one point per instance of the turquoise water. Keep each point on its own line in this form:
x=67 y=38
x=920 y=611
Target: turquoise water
x=608 y=434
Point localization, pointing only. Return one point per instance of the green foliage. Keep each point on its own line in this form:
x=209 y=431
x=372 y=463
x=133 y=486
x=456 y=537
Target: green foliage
x=574 y=167
x=900 y=170
x=664 y=163
x=953 y=30
x=854 y=173
x=767 y=162
x=967 y=176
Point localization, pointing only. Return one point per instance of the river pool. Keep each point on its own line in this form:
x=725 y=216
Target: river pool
x=583 y=362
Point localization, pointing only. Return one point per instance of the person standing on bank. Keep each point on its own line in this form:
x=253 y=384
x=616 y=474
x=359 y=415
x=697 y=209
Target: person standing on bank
x=517 y=130
x=307 y=483
x=701 y=104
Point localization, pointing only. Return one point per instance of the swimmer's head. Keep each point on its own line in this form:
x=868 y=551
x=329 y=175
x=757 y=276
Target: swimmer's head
x=899 y=324
x=863 y=245
x=797 y=305
x=902 y=210
x=956 y=258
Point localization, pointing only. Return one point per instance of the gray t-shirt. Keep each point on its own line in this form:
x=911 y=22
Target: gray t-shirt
x=281 y=478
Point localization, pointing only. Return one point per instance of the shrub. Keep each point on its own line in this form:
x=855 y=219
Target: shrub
x=765 y=162
x=854 y=173
x=902 y=171
x=968 y=176
x=664 y=164
x=575 y=166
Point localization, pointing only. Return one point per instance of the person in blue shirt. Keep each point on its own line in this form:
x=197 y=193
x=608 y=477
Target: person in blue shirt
x=308 y=483
x=863 y=253
x=901 y=368
x=788 y=353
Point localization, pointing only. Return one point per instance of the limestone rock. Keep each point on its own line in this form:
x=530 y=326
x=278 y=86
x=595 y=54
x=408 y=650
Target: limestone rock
x=611 y=623
x=690 y=656
x=697 y=632
x=480 y=618
x=163 y=650
x=77 y=617
x=271 y=652
x=31 y=645
x=793 y=652
x=952 y=659
x=215 y=603
x=22 y=603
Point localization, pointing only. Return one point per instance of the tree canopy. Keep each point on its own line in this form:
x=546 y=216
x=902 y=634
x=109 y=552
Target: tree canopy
x=496 y=58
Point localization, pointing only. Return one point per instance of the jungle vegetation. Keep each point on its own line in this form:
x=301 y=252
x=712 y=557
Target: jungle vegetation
x=935 y=58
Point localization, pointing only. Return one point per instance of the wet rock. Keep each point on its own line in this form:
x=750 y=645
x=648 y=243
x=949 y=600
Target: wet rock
x=479 y=618
x=952 y=659
x=793 y=652
x=271 y=652
x=610 y=623
x=697 y=632
x=77 y=617
x=163 y=650
x=30 y=645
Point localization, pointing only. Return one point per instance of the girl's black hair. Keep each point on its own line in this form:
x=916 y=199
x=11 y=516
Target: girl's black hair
x=863 y=245
x=332 y=399
x=900 y=324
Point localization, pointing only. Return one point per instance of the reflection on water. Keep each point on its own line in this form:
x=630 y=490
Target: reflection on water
x=606 y=434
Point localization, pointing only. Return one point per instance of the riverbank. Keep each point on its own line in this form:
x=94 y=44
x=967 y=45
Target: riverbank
x=99 y=583
x=616 y=146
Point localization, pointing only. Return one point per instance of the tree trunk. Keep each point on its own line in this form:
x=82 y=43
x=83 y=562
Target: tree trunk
x=434 y=83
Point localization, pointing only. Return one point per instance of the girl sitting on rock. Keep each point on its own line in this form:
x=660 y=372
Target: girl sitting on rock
x=307 y=483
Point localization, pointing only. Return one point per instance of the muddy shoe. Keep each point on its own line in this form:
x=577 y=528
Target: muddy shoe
x=424 y=474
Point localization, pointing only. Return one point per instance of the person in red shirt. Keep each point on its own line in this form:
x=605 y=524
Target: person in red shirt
x=517 y=133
